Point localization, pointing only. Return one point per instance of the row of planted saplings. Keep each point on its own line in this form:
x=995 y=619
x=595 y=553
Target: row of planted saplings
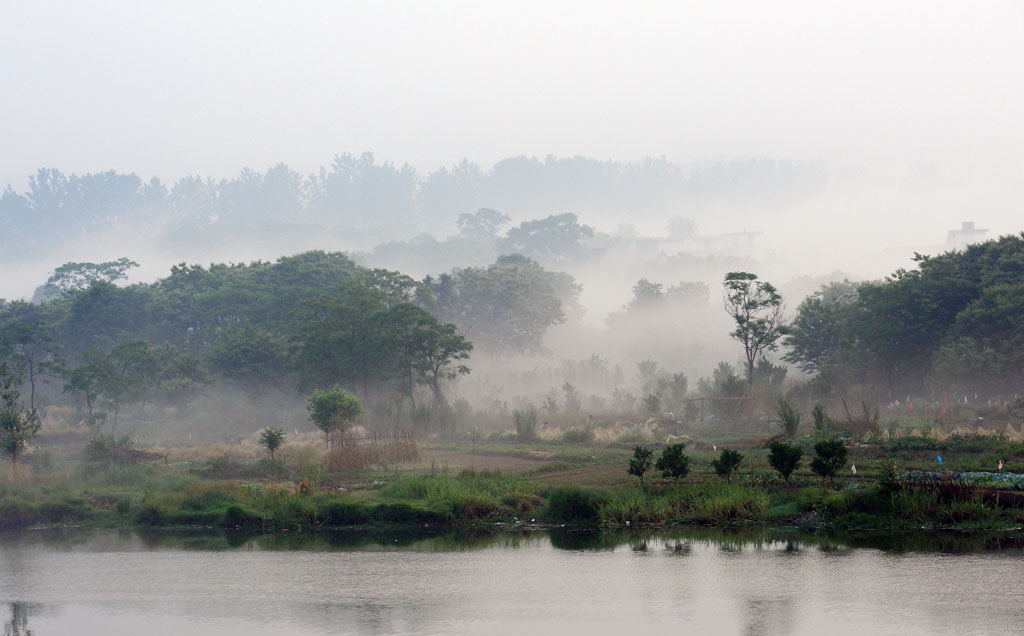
x=829 y=458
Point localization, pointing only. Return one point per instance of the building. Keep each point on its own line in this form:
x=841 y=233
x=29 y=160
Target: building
x=966 y=235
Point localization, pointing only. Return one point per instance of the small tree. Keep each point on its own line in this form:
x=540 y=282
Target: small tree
x=526 y=423
x=640 y=462
x=830 y=458
x=673 y=463
x=652 y=403
x=728 y=461
x=333 y=410
x=789 y=418
x=784 y=458
x=272 y=439
x=17 y=426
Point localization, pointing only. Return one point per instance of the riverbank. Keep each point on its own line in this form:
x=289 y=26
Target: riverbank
x=148 y=496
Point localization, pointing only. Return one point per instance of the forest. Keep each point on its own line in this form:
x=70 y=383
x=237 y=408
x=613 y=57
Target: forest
x=950 y=330
x=59 y=209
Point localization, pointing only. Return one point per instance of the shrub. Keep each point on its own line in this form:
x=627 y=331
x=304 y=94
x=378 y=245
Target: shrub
x=578 y=436
x=526 y=424
x=830 y=457
x=728 y=461
x=101 y=448
x=640 y=462
x=572 y=504
x=238 y=517
x=789 y=417
x=339 y=513
x=673 y=463
x=784 y=458
x=821 y=419
x=652 y=403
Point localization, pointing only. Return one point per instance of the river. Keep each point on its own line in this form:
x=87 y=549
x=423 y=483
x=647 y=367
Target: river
x=696 y=582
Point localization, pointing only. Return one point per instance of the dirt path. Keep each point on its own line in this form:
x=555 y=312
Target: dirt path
x=457 y=461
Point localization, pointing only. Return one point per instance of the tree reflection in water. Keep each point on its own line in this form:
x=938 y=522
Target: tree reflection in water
x=17 y=625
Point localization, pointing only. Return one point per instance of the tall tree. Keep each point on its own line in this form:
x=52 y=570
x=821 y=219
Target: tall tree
x=756 y=308
x=27 y=338
x=70 y=277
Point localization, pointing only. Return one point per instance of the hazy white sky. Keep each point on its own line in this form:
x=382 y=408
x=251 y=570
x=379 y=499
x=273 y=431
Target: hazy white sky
x=171 y=88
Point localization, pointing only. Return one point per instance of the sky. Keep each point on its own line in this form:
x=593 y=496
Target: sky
x=185 y=87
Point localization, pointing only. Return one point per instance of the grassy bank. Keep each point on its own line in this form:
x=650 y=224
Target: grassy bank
x=148 y=496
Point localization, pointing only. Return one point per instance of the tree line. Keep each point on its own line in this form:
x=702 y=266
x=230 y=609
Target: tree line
x=313 y=320
x=951 y=327
x=360 y=191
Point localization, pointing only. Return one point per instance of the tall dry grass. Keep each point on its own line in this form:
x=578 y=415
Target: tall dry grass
x=354 y=453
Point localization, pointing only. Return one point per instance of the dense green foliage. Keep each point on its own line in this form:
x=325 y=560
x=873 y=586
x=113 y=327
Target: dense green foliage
x=756 y=308
x=788 y=418
x=673 y=463
x=272 y=438
x=727 y=463
x=508 y=305
x=333 y=410
x=640 y=462
x=953 y=326
x=784 y=458
x=829 y=458
x=308 y=321
x=17 y=425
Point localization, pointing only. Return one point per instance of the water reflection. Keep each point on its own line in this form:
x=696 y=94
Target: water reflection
x=764 y=616
x=734 y=581
x=678 y=541
x=17 y=624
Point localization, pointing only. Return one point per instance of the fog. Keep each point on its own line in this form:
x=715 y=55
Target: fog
x=204 y=88
x=828 y=141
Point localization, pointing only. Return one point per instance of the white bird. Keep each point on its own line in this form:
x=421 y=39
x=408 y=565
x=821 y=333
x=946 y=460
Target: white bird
x=853 y=468
x=714 y=446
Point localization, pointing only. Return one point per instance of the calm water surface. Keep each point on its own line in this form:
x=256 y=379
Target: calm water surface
x=705 y=583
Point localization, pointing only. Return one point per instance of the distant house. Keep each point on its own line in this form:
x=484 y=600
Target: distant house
x=966 y=235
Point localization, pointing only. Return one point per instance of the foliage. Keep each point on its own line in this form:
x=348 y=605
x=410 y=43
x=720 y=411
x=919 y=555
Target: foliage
x=784 y=458
x=640 y=462
x=953 y=323
x=100 y=447
x=645 y=293
x=250 y=355
x=18 y=426
x=272 y=439
x=822 y=421
x=829 y=458
x=652 y=403
x=572 y=504
x=526 y=423
x=71 y=277
x=727 y=463
x=673 y=463
x=578 y=436
x=550 y=240
x=333 y=410
x=788 y=418
x=573 y=402
x=507 y=306
x=817 y=335
x=756 y=308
